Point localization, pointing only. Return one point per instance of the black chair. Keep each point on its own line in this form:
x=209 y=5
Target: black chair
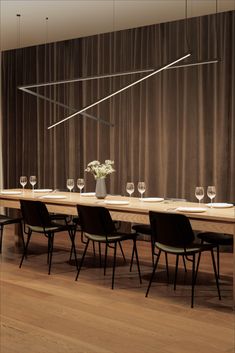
x=98 y=226
x=37 y=219
x=173 y=234
x=5 y=220
x=217 y=239
x=117 y=225
x=145 y=229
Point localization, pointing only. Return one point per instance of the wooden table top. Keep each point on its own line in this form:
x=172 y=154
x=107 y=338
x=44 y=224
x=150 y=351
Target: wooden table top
x=134 y=204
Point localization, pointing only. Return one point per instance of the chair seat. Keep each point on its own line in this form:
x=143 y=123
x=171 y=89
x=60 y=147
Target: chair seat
x=191 y=249
x=216 y=238
x=142 y=228
x=4 y=220
x=110 y=238
x=54 y=228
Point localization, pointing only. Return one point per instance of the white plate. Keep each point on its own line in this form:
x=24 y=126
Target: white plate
x=220 y=205
x=42 y=190
x=10 y=192
x=88 y=194
x=152 y=199
x=53 y=197
x=191 y=209
x=117 y=202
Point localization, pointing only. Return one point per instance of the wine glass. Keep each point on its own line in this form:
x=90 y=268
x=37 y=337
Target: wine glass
x=80 y=184
x=130 y=188
x=23 y=181
x=70 y=184
x=211 y=193
x=33 y=181
x=141 y=188
x=199 y=193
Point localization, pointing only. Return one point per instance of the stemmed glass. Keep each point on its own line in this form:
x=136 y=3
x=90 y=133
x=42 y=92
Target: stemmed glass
x=70 y=184
x=130 y=188
x=80 y=184
x=141 y=188
x=23 y=181
x=199 y=193
x=211 y=193
x=33 y=181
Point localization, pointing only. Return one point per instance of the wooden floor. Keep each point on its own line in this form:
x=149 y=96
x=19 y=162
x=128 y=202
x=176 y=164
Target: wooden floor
x=55 y=314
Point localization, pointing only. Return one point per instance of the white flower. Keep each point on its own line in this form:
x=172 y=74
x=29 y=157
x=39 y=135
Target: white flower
x=100 y=170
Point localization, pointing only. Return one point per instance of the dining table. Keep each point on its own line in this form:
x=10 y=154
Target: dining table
x=203 y=217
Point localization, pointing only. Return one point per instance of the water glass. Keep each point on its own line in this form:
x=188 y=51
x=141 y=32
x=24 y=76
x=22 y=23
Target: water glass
x=23 y=181
x=199 y=193
x=80 y=184
x=211 y=193
x=70 y=184
x=33 y=181
x=130 y=188
x=141 y=188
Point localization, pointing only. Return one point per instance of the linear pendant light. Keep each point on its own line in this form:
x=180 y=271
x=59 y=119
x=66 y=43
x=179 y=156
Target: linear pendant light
x=120 y=90
x=116 y=74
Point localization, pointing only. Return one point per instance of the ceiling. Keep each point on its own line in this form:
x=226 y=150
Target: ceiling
x=69 y=19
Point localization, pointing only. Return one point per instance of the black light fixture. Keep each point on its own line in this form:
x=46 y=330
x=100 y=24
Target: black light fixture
x=150 y=72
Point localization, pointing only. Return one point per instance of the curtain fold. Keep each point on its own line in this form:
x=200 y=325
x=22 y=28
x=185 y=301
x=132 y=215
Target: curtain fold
x=175 y=130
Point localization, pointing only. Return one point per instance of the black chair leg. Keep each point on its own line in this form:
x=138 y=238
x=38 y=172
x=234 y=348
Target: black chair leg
x=93 y=248
x=1 y=235
x=123 y=255
x=218 y=261
x=48 y=249
x=21 y=232
x=176 y=270
x=82 y=259
x=105 y=258
x=132 y=258
x=153 y=273
x=216 y=273
x=25 y=249
x=51 y=242
x=114 y=263
x=137 y=259
x=193 y=280
x=167 y=267
x=72 y=235
x=198 y=262
x=100 y=255
x=184 y=262
x=152 y=249
x=197 y=267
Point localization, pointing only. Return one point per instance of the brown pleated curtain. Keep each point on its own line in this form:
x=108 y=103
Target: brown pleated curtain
x=174 y=131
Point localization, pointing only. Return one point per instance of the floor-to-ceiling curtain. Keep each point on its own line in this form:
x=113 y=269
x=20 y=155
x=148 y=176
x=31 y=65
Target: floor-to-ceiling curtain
x=175 y=130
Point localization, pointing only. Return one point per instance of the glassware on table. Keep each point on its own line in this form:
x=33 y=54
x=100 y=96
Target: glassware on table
x=80 y=184
x=211 y=193
x=23 y=181
x=141 y=188
x=130 y=188
x=70 y=184
x=33 y=181
x=199 y=193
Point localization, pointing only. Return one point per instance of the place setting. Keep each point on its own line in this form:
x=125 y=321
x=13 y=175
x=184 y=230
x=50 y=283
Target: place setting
x=141 y=186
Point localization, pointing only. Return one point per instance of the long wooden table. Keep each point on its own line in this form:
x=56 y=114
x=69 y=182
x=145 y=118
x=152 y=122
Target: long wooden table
x=214 y=219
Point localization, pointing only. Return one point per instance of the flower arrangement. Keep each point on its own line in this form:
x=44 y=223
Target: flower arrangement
x=100 y=170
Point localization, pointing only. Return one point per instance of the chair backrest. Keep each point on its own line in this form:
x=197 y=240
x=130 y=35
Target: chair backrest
x=35 y=213
x=95 y=220
x=171 y=229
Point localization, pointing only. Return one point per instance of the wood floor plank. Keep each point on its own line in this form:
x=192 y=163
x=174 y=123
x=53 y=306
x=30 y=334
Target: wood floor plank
x=48 y=314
